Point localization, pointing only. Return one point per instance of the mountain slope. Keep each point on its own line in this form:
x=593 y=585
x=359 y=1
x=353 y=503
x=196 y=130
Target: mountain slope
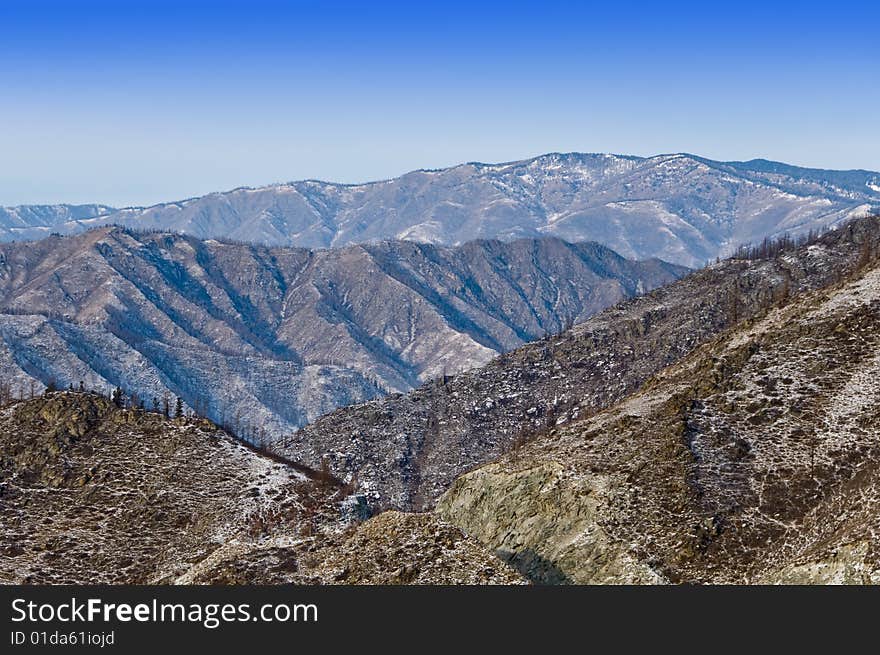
x=37 y=221
x=94 y=493
x=264 y=339
x=680 y=208
x=754 y=459
x=407 y=449
x=90 y=493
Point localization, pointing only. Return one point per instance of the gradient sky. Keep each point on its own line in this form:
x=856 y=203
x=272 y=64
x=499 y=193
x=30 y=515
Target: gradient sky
x=135 y=103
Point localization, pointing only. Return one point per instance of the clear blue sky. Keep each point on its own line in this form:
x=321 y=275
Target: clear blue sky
x=135 y=102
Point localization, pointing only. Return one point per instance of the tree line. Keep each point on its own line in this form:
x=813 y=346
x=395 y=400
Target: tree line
x=168 y=406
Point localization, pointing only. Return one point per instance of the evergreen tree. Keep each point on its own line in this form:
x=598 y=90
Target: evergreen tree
x=118 y=397
x=178 y=409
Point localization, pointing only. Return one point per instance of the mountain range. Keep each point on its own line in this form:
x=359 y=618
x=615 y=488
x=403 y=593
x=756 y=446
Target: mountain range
x=721 y=429
x=681 y=208
x=512 y=367
x=265 y=340
x=406 y=449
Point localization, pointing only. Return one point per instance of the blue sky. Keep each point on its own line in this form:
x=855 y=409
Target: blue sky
x=135 y=103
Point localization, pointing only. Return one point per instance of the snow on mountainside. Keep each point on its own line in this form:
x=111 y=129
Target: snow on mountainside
x=680 y=208
x=407 y=449
x=752 y=459
x=35 y=220
x=93 y=493
x=275 y=337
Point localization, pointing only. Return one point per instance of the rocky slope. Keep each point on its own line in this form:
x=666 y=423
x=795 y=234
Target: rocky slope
x=756 y=458
x=391 y=548
x=680 y=208
x=275 y=337
x=90 y=493
x=407 y=449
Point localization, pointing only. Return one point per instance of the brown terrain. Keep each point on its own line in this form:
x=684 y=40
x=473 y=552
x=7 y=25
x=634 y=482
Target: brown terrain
x=756 y=458
x=90 y=493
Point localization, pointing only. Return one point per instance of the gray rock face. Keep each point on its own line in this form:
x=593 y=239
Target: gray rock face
x=264 y=339
x=407 y=449
x=680 y=208
x=545 y=524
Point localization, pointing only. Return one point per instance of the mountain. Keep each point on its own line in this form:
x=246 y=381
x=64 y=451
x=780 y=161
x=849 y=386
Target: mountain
x=754 y=459
x=38 y=221
x=406 y=450
x=92 y=493
x=728 y=433
x=680 y=208
x=264 y=340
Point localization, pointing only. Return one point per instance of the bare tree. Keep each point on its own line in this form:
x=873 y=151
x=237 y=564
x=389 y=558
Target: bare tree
x=324 y=477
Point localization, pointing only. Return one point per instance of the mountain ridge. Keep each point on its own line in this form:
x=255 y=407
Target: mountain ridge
x=407 y=448
x=679 y=207
x=279 y=336
x=752 y=459
x=94 y=493
x=720 y=429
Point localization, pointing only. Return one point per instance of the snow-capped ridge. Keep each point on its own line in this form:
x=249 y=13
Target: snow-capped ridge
x=622 y=201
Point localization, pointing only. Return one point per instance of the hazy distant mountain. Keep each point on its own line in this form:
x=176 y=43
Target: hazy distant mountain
x=275 y=337
x=37 y=221
x=680 y=208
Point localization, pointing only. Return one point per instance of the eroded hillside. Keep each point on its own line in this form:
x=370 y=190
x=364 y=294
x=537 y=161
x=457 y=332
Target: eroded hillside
x=756 y=458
